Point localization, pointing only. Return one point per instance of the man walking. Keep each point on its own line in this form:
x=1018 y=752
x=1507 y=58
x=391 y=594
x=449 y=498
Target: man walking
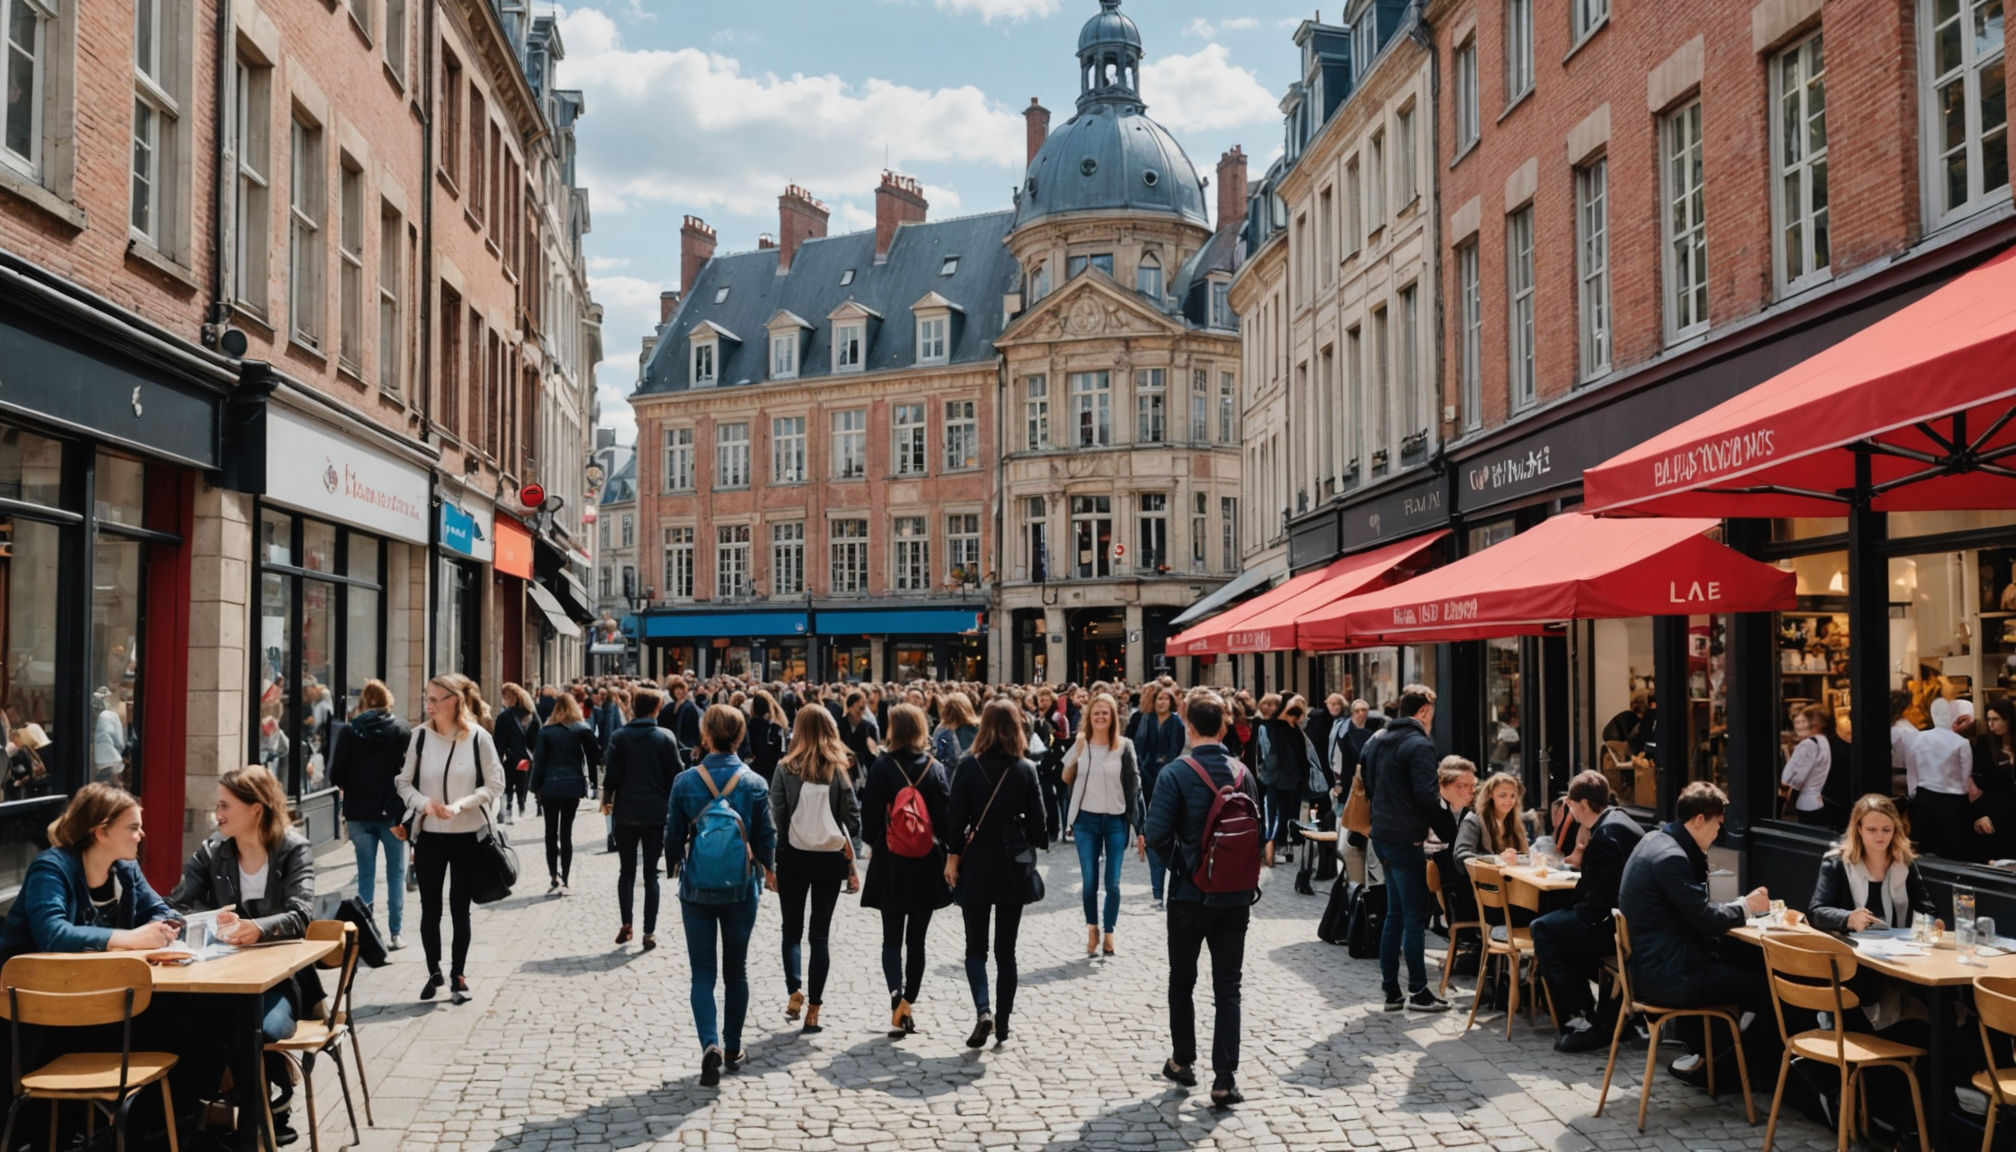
x=1409 y=804
x=636 y=785
x=1177 y=815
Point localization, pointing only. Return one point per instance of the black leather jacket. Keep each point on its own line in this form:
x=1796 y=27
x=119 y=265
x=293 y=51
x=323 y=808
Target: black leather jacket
x=210 y=881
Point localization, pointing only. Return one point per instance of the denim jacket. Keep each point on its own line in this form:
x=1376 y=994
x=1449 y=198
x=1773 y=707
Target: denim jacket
x=751 y=801
x=54 y=913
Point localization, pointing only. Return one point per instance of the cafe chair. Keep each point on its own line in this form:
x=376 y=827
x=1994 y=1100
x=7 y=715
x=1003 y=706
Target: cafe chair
x=1995 y=1004
x=1456 y=928
x=331 y=1034
x=1487 y=882
x=1656 y=1017
x=1810 y=970
x=53 y=992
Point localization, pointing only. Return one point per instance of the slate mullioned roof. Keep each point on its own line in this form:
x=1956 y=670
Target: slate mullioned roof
x=812 y=290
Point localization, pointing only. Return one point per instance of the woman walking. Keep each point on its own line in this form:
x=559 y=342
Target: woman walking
x=366 y=763
x=763 y=747
x=1162 y=740
x=450 y=778
x=996 y=816
x=906 y=872
x=564 y=764
x=1284 y=770
x=514 y=730
x=727 y=859
x=957 y=728
x=1106 y=803
x=812 y=805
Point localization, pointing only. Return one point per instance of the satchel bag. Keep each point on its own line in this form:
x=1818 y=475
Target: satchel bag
x=370 y=945
x=1357 y=815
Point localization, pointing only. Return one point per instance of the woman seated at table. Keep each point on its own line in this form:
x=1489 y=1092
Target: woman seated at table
x=1871 y=878
x=1496 y=826
x=86 y=892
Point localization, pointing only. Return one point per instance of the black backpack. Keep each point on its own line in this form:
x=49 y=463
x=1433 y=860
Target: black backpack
x=1335 y=926
x=1368 y=919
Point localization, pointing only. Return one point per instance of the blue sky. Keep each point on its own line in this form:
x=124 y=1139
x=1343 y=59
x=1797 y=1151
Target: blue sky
x=710 y=107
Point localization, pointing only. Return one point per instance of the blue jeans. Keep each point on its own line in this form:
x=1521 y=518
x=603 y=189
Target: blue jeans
x=737 y=922
x=365 y=838
x=1098 y=833
x=1407 y=899
x=277 y=1019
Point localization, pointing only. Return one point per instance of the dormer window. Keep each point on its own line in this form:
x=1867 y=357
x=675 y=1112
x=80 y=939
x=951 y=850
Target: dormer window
x=1221 y=304
x=847 y=277
x=705 y=361
x=931 y=339
x=705 y=356
x=1076 y=264
x=784 y=356
x=950 y=266
x=1148 y=277
x=1039 y=281
x=848 y=339
x=721 y=295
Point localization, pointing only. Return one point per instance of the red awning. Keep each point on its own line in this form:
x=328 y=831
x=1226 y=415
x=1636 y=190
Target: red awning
x=1571 y=567
x=1925 y=395
x=1269 y=622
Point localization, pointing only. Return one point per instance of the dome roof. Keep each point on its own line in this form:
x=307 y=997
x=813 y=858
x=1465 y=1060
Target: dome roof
x=1111 y=157
x=1109 y=27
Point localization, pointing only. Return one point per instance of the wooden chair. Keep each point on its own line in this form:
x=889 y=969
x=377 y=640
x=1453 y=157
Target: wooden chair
x=331 y=1034
x=1995 y=1003
x=1487 y=883
x=1455 y=927
x=1656 y=1017
x=60 y=992
x=1810 y=970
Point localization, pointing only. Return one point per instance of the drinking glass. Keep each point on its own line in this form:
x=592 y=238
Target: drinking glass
x=1777 y=912
x=1963 y=919
x=1921 y=928
x=1984 y=931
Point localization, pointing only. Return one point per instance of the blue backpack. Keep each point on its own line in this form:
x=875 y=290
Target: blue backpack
x=718 y=857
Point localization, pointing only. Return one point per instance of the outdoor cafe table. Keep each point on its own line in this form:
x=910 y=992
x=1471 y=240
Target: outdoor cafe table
x=1941 y=975
x=245 y=976
x=1526 y=888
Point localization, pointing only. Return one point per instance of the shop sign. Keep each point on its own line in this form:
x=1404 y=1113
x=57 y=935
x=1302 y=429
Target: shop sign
x=313 y=468
x=1255 y=640
x=1313 y=541
x=467 y=531
x=1417 y=508
x=514 y=550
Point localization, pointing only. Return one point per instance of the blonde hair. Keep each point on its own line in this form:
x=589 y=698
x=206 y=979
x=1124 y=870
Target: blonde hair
x=452 y=683
x=255 y=785
x=1510 y=831
x=817 y=755
x=1900 y=844
x=94 y=806
x=566 y=710
x=1112 y=730
x=955 y=711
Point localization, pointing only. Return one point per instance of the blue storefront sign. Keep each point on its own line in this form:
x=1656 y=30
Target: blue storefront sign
x=460 y=532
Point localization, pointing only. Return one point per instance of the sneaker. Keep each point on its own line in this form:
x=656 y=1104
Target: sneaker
x=398 y=942
x=1395 y=1002
x=1160 y=906
x=710 y=1068
x=1426 y=1000
x=1577 y=1023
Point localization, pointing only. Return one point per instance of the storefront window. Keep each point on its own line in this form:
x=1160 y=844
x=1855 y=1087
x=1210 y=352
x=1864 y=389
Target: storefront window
x=1501 y=703
x=915 y=662
x=1808 y=528
x=115 y=654
x=1708 y=699
x=28 y=557
x=276 y=537
x=120 y=490
x=787 y=661
x=850 y=660
x=969 y=658
x=734 y=660
x=1812 y=646
x=318 y=672
x=31 y=468
x=1625 y=709
x=276 y=691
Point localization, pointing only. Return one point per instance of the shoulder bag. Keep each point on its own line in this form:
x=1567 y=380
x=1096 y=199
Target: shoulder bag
x=496 y=866
x=1033 y=889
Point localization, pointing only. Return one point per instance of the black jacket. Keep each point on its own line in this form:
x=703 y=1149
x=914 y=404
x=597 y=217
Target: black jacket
x=899 y=883
x=1834 y=895
x=513 y=733
x=643 y=760
x=763 y=746
x=1664 y=895
x=683 y=719
x=565 y=760
x=210 y=881
x=995 y=865
x=1611 y=841
x=1400 y=765
x=1176 y=815
x=370 y=751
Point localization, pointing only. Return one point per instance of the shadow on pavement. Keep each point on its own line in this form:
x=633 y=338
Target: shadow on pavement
x=580 y=965
x=1184 y=1113
x=884 y=1065
x=623 y=1122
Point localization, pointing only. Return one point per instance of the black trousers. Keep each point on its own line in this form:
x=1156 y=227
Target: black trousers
x=794 y=887
x=517 y=785
x=1570 y=953
x=633 y=841
x=1192 y=927
x=903 y=935
x=446 y=860
x=1741 y=982
x=559 y=836
x=1007 y=926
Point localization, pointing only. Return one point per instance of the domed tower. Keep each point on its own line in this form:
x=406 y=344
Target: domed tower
x=1121 y=468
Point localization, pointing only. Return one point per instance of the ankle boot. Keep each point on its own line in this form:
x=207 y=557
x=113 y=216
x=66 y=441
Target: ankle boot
x=1091 y=939
x=812 y=1019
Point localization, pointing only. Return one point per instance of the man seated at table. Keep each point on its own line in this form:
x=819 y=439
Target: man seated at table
x=1570 y=943
x=1675 y=961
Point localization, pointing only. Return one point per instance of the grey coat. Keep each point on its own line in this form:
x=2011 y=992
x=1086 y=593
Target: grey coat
x=210 y=882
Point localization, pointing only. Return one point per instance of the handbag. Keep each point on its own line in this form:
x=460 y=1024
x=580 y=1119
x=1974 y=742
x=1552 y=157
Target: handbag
x=370 y=945
x=1033 y=889
x=1357 y=815
x=495 y=870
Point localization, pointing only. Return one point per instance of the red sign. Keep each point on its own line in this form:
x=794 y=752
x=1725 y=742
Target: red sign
x=514 y=550
x=532 y=496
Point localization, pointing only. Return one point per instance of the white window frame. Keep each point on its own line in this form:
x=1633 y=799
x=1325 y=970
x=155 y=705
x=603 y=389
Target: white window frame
x=962 y=435
x=850 y=340
x=252 y=213
x=784 y=355
x=1200 y=531
x=34 y=90
x=1221 y=304
x=1228 y=533
x=1683 y=190
x=629 y=533
x=787 y=558
x=1585 y=17
x=1378 y=411
x=787 y=450
x=731 y=455
x=1354 y=207
x=962 y=548
x=679 y=459
x=1151 y=530
x=1592 y=266
x=1036 y=412
x=1521 y=377
x=679 y=563
x=706 y=361
x=306 y=202
x=1404 y=159
x=933 y=333
x=1375 y=183
x=396 y=38
x=1800 y=246
x=1091 y=563
x=350 y=198
x=1151 y=406
x=1469 y=109
x=847 y=554
x=1092 y=409
x=1966 y=72
x=391 y=328
x=1518 y=50
x=156 y=120
x=1470 y=317
x=731 y=561
x=1228 y=408
x=909 y=440
x=1200 y=405
x=1148 y=277
x=850 y=444
x=1413 y=393
x=910 y=536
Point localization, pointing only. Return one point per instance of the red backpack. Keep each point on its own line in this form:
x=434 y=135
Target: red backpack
x=1230 y=856
x=909 y=832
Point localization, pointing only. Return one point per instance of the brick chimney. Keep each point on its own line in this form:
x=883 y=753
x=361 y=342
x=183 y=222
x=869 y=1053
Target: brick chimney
x=668 y=303
x=696 y=247
x=1232 y=187
x=1038 y=118
x=765 y=242
x=898 y=201
x=799 y=218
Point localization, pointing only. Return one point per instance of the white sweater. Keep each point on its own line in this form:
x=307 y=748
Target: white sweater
x=465 y=775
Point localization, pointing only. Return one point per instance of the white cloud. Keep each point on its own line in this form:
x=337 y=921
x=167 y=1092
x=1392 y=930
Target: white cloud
x=690 y=129
x=1204 y=92
x=992 y=10
x=1200 y=27
x=606 y=263
x=1242 y=22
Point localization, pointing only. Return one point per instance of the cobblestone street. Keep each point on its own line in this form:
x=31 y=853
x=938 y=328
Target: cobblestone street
x=571 y=1043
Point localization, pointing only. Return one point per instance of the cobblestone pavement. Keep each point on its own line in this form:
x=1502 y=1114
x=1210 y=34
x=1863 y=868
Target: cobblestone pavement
x=571 y=1043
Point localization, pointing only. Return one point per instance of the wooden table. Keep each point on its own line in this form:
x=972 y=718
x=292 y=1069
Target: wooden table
x=245 y=976
x=1941 y=975
x=1526 y=888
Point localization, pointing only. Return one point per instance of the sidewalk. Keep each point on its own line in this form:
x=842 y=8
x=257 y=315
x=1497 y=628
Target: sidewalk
x=571 y=1043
